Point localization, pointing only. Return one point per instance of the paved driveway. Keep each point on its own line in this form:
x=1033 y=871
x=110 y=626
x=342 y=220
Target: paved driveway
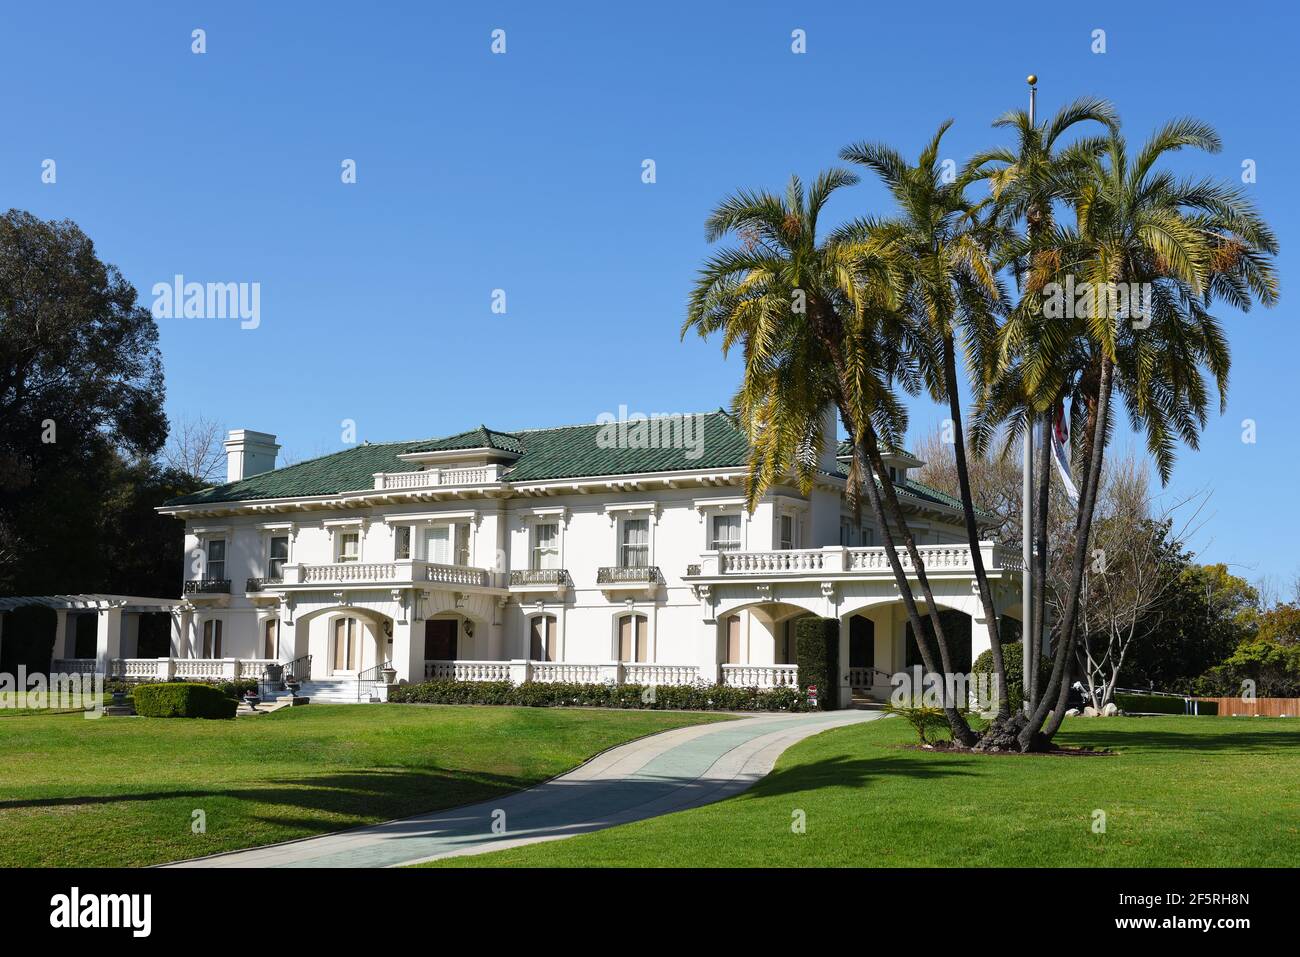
x=660 y=774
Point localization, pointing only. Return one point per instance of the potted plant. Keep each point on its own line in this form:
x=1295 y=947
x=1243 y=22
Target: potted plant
x=252 y=699
x=389 y=675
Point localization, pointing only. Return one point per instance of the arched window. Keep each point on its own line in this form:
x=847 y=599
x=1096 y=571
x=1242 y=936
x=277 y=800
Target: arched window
x=541 y=644
x=212 y=638
x=346 y=639
x=632 y=638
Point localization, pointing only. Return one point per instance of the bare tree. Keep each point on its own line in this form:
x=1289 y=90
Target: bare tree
x=194 y=448
x=1133 y=575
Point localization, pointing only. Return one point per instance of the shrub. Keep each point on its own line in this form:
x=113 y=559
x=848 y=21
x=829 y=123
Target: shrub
x=1013 y=660
x=182 y=699
x=925 y=719
x=818 y=644
x=1160 y=704
x=562 y=694
x=238 y=688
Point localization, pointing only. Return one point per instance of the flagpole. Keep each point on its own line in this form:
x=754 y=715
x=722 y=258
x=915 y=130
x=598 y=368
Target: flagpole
x=1027 y=630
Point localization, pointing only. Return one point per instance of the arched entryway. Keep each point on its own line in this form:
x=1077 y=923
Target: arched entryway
x=343 y=641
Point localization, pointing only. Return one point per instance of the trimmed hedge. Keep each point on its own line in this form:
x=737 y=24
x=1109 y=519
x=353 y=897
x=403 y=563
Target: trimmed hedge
x=231 y=689
x=182 y=699
x=818 y=644
x=1160 y=704
x=563 y=694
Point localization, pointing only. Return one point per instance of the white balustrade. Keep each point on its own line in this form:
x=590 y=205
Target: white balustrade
x=760 y=676
x=347 y=572
x=566 y=671
x=468 y=670
x=200 y=667
x=73 y=666
x=438 y=478
x=783 y=560
x=642 y=673
x=456 y=575
x=135 y=667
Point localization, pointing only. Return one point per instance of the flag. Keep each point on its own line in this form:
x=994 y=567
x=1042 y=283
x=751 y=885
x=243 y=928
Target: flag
x=1060 y=447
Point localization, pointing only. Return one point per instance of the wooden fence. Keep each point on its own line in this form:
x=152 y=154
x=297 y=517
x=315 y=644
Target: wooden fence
x=1268 y=707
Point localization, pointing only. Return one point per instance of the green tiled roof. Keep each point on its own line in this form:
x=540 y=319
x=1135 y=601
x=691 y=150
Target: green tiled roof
x=344 y=471
x=480 y=438
x=844 y=450
x=544 y=454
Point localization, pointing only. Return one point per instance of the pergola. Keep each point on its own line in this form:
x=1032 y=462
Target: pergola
x=117 y=621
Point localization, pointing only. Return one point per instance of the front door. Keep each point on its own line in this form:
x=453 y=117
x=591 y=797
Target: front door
x=440 y=639
x=346 y=639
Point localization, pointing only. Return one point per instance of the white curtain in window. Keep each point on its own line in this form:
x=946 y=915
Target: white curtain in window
x=636 y=543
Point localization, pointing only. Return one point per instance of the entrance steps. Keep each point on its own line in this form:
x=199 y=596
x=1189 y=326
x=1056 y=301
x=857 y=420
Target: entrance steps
x=341 y=691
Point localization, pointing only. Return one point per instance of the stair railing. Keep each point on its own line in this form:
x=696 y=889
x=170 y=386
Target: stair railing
x=298 y=670
x=372 y=676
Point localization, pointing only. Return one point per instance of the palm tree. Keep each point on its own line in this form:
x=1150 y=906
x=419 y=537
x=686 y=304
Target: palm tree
x=940 y=243
x=1026 y=184
x=818 y=322
x=1185 y=242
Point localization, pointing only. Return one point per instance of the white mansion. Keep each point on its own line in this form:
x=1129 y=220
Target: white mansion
x=545 y=554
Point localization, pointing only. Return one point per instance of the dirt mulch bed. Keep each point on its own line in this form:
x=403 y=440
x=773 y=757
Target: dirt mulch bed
x=945 y=747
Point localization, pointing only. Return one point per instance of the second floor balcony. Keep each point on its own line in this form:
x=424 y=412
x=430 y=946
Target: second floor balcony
x=404 y=573
x=840 y=562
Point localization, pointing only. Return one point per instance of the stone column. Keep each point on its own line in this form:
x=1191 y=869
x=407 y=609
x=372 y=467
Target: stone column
x=408 y=651
x=108 y=638
x=61 y=638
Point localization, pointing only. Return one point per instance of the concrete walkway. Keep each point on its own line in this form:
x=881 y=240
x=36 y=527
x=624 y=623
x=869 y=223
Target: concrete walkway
x=660 y=774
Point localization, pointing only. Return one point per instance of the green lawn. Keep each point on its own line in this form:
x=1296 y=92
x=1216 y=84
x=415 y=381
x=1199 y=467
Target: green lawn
x=1181 y=792
x=122 y=791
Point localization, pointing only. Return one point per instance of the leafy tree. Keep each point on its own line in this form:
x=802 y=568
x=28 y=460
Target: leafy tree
x=81 y=385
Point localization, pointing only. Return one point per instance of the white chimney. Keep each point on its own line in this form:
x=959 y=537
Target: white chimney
x=249 y=453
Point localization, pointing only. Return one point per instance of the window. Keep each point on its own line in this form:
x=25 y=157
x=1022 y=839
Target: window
x=868 y=536
x=212 y=638
x=462 y=543
x=271 y=639
x=635 y=550
x=733 y=640
x=726 y=533
x=277 y=557
x=546 y=546
x=349 y=546
x=448 y=544
x=541 y=644
x=402 y=542
x=632 y=638
x=216 y=570
x=846 y=533
x=345 y=644
x=787 y=531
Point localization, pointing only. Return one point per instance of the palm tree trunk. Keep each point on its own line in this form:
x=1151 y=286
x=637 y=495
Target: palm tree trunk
x=888 y=501
x=1057 y=692
x=972 y=531
x=1044 y=478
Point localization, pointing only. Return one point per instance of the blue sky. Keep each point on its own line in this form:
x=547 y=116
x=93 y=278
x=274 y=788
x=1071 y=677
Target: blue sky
x=523 y=172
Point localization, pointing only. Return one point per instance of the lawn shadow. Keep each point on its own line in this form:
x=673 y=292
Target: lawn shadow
x=379 y=792
x=1130 y=737
x=845 y=771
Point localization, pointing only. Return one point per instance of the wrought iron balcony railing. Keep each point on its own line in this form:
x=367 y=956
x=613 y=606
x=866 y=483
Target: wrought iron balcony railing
x=257 y=584
x=546 y=577
x=208 y=586
x=633 y=575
